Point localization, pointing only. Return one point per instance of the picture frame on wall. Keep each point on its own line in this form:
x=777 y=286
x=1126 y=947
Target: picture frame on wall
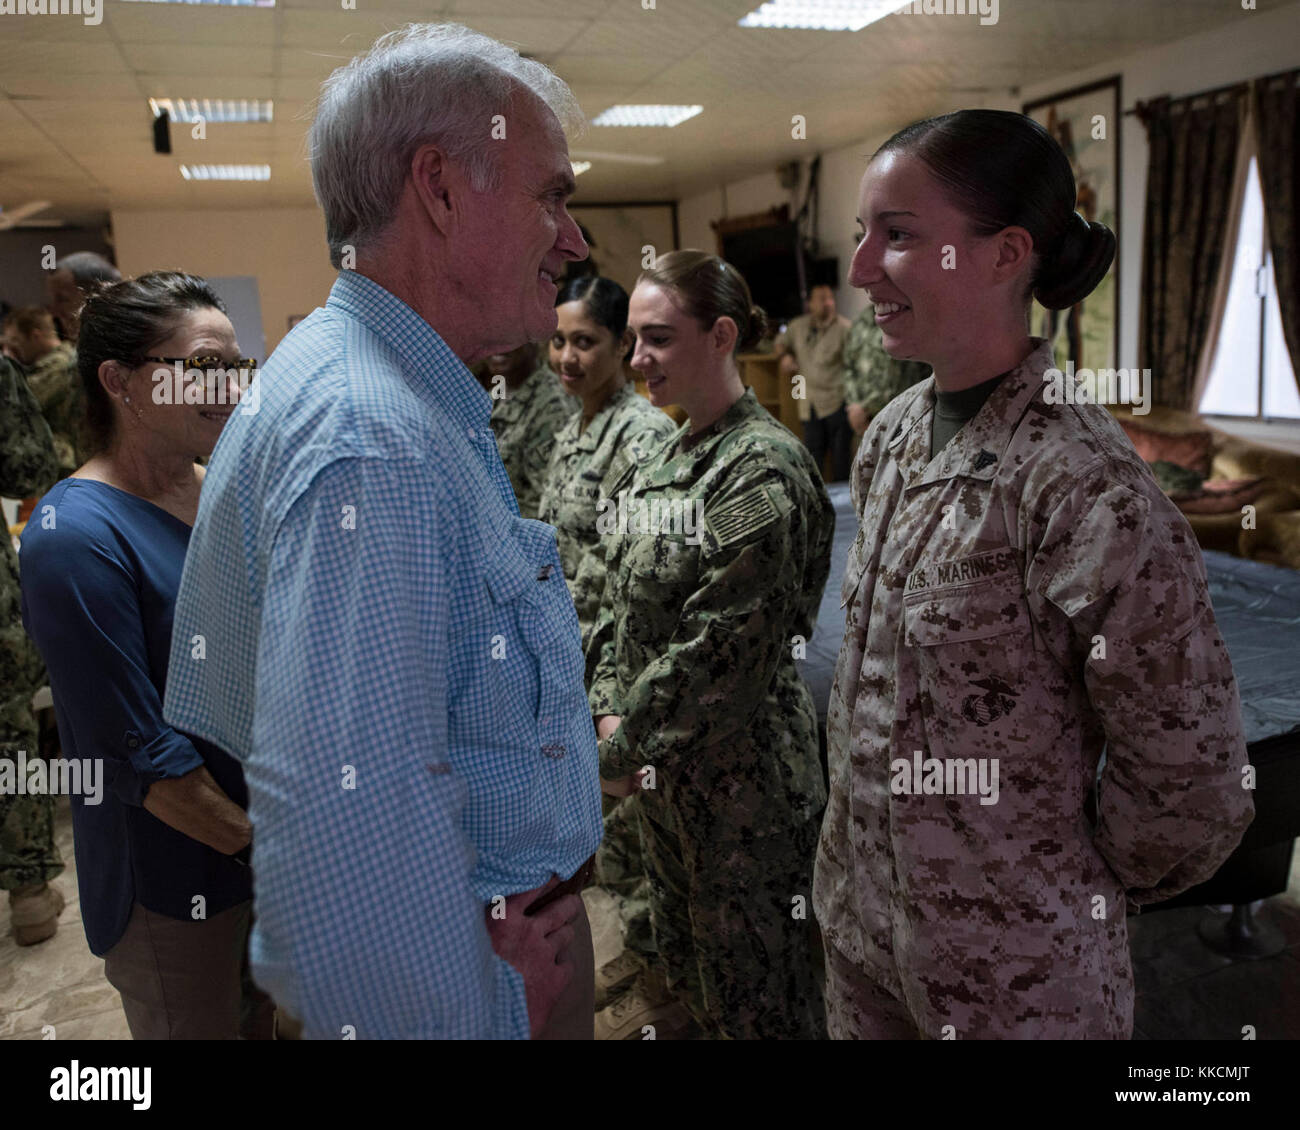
x=1087 y=123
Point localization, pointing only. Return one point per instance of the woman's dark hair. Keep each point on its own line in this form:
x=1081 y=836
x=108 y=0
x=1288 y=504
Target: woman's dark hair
x=708 y=289
x=124 y=322
x=602 y=298
x=1005 y=170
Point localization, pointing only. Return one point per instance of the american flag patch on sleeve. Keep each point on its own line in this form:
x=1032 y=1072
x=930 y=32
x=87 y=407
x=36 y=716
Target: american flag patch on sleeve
x=741 y=517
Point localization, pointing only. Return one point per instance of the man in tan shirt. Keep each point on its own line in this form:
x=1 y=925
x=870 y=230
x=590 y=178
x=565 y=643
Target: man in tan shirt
x=812 y=347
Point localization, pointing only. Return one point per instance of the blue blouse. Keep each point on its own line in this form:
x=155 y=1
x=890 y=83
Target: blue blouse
x=100 y=569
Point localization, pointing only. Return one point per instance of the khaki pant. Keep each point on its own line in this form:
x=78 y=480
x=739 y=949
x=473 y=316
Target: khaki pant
x=573 y=1017
x=181 y=980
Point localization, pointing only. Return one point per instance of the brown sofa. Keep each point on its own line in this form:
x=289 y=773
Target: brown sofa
x=1275 y=537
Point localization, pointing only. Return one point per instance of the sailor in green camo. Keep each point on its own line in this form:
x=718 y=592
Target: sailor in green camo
x=872 y=378
x=27 y=467
x=529 y=409
x=50 y=366
x=572 y=497
x=695 y=651
x=587 y=350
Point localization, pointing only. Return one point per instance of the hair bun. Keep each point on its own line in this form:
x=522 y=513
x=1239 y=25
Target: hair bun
x=1082 y=259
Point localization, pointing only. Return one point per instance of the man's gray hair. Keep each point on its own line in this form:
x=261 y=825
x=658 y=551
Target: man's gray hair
x=426 y=84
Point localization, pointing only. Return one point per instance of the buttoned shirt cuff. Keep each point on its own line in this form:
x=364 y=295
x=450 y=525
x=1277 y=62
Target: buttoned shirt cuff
x=617 y=757
x=168 y=755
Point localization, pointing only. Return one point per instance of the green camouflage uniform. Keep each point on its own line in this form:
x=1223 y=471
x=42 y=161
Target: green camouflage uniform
x=628 y=425
x=57 y=387
x=526 y=421
x=1017 y=603
x=27 y=467
x=696 y=644
x=872 y=377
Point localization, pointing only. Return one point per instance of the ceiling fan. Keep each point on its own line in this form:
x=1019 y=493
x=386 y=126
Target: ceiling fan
x=17 y=217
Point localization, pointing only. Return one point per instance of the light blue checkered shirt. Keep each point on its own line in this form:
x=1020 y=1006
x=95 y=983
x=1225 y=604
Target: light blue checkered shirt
x=368 y=626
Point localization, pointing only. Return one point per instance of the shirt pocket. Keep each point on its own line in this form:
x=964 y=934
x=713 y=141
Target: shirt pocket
x=972 y=648
x=542 y=693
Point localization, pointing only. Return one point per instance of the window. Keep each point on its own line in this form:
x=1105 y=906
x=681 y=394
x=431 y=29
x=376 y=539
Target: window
x=1252 y=373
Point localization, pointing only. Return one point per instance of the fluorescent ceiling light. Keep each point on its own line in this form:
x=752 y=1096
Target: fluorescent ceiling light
x=214 y=109
x=666 y=116
x=223 y=3
x=615 y=158
x=580 y=167
x=226 y=172
x=823 y=15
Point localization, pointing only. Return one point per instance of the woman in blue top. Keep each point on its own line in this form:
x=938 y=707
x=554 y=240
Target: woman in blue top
x=162 y=841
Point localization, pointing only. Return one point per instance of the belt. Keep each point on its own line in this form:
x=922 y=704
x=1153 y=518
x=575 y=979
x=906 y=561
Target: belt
x=571 y=886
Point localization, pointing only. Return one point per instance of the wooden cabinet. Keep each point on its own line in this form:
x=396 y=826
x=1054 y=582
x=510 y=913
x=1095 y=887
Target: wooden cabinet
x=760 y=372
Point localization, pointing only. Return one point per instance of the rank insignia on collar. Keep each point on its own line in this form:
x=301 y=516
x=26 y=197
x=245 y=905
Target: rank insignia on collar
x=984 y=458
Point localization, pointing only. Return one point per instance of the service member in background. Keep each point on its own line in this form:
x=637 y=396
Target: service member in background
x=529 y=409
x=872 y=378
x=614 y=424
x=1020 y=595
x=812 y=348
x=51 y=369
x=713 y=577
x=74 y=279
x=28 y=855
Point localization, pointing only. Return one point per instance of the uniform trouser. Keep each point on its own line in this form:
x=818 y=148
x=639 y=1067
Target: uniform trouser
x=27 y=852
x=858 y=1008
x=183 y=980
x=732 y=941
x=833 y=432
x=620 y=869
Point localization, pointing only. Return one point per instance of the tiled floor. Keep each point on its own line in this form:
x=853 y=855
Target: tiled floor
x=1185 y=991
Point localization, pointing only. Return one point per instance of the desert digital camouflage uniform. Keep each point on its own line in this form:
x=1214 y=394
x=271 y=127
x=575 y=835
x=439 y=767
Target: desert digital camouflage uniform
x=57 y=387
x=526 y=421
x=695 y=646
x=27 y=467
x=1029 y=595
x=872 y=377
x=627 y=425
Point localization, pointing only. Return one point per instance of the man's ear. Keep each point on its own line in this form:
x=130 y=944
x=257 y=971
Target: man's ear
x=434 y=184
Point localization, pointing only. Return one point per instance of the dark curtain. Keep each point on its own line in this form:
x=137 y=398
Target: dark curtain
x=1193 y=150
x=1276 y=125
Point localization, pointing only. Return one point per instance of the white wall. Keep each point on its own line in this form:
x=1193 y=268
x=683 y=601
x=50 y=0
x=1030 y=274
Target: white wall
x=1257 y=44
x=283 y=248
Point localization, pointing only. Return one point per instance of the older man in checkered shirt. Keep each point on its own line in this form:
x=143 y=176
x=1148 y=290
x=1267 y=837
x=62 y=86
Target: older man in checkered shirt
x=364 y=619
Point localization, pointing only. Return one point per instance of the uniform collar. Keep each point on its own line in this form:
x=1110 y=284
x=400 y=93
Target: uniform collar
x=591 y=439
x=976 y=451
x=427 y=361
x=681 y=463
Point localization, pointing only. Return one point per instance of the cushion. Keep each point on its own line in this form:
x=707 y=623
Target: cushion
x=1220 y=496
x=1187 y=449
